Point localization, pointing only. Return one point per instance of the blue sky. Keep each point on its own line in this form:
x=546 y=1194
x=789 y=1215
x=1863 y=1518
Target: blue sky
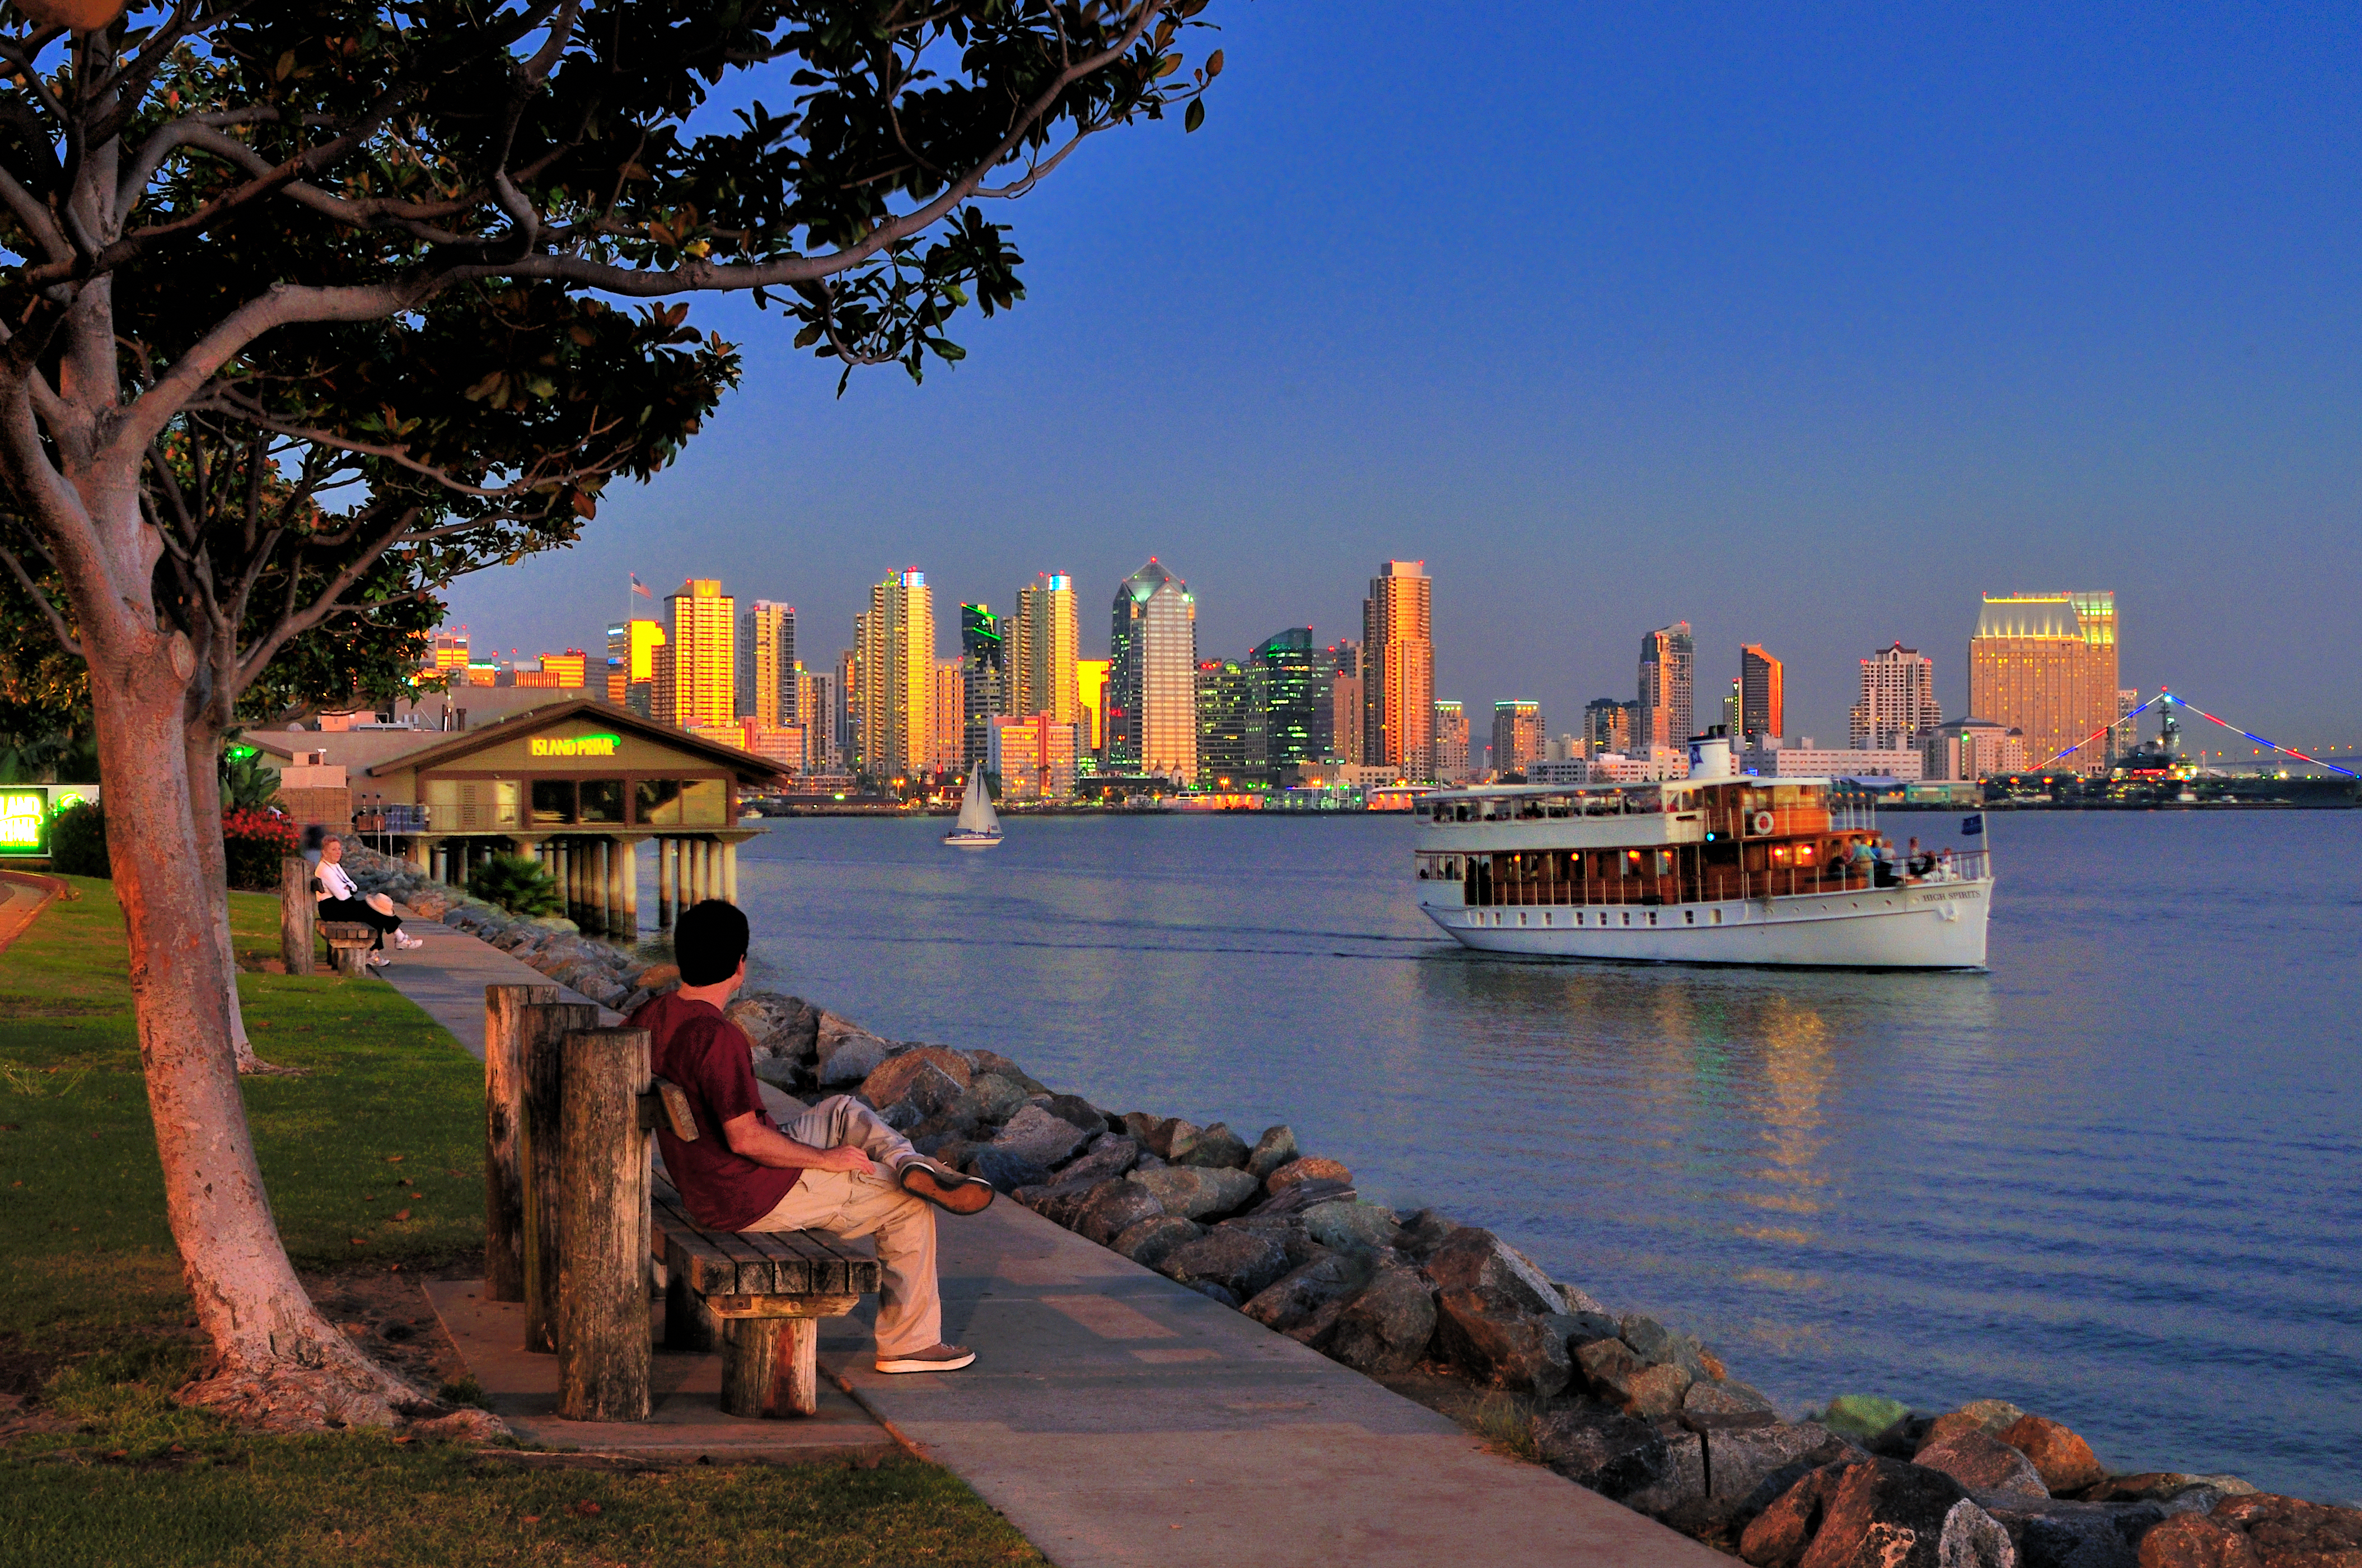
x=1804 y=327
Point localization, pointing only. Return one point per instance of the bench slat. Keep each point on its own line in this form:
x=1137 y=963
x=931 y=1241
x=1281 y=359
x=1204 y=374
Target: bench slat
x=781 y=1264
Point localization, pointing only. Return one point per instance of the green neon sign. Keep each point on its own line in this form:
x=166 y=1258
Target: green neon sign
x=23 y=821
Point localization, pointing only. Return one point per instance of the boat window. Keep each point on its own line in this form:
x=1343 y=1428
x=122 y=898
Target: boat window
x=1529 y=811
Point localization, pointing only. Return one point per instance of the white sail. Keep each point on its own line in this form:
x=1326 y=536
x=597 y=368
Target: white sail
x=976 y=814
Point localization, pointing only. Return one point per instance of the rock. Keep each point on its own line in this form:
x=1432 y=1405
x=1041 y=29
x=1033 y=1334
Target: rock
x=1972 y=1538
x=1286 y=1230
x=1217 y=1148
x=1507 y=1350
x=1300 y=1195
x=2193 y=1540
x=1276 y=1148
x=1107 y=1156
x=2060 y=1533
x=1146 y=1242
x=1298 y=1296
x=2156 y=1487
x=1167 y=1140
x=1115 y=1206
x=1350 y=1227
x=994 y=1062
x=1657 y=1345
x=1075 y=1111
x=1682 y=1489
x=1060 y=1202
x=849 y=1057
x=1239 y=1261
x=1139 y=1124
x=1864 y=1417
x=778 y=1025
x=656 y=976
x=1388 y=1325
x=1655 y=1391
x=1215 y=1290
x=1039 y=1136
x=991 y=1097
x=2287 y=1533
x=1612 y=1454
x=953 y=1149
x=778 y=1072
x=1194 y=1193
x=1752 y=1467
x=1881 y=1513
x=1477 y=1260
x=1709 y=1398
x=1005 y=1170
x=930 y=1078
x=2229 y=1485
x=1422 y=1234
x=1309 y=1168
x=1614 y=1372
x=1982 y=1462
x=1779 y=1535
x=2063 y=1459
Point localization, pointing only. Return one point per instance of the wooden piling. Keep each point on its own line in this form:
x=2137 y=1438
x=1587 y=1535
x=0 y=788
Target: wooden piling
x=504 y=1181
x=296 y=912
x=541 y=1126
x=772 y=1369
x=603 y=1296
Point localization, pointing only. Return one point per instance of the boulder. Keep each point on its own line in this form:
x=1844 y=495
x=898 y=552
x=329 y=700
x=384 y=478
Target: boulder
x=1145 y=1242
x=1276 y=1148
x=2064 y=1460
x=1060 y=1202
x=1039 y=1136
x=1422 y=1234
x=1984 y=1463
x=2287 y=1533
x=1300 y=1195
x=1107 y=1157
x=1386 y=1327
x=1752 y=1467
x=1681 y=1491
x=930 y=1078
x=1657 y=1345
x=1610 y=1453
x=1194 y=1193
x=1115 y=1206
x=1169 y=1139
x=1239 y=1261
x=2158 y=1486
x=2062 y=1533
x=1217 y=1148
x=1880 y=1513
x=1726 y=1397
x=1298 y=1296
x=1309 y=1168
x=1286 y=1230
x=1864 y=1417
x=1215 y=1290
x=1476 y=1260
x=849 y=1057
x=991 y=1096
x=1075 y=1111
x=2193 y=1540
x=994 y=1062
x=1508 y=1350
x=778 y=1025
x=1005 y=1170
x=1614 y=1372
x=1350 y=1227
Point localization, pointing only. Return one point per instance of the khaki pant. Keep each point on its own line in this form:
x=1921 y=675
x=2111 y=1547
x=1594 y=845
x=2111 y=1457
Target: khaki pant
x=910 y=1304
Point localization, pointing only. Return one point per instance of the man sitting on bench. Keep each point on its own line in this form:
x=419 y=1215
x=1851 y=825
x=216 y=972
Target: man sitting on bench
x=836 y=1168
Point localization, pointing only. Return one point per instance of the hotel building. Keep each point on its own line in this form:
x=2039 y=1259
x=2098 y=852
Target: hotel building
x=696 y=669
x=1398 y=670
x=2045 y=664
x=1152 y=677
x=1668 y=673
x=1898 y=708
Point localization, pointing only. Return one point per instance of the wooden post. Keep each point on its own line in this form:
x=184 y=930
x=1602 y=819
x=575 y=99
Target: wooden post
x=541 y=1127
x=772 y=1369
x=504 y=1156
x=603 y=1297
x=296 y=912
x=730 y=872
x=627 y=851
x=666 y=858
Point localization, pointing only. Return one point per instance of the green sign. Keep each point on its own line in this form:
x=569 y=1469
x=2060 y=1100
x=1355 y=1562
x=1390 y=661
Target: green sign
x=23 y=821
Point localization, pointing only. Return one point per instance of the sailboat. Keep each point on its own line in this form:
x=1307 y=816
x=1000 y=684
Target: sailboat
x=979 y=826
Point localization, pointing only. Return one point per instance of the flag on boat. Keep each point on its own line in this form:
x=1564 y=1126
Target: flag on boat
x=641 y=588
x=1972 y=826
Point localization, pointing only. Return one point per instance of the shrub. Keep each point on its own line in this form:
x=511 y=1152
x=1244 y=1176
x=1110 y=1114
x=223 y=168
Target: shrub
x=517 y=884
x=254 y=842
x=78 y=841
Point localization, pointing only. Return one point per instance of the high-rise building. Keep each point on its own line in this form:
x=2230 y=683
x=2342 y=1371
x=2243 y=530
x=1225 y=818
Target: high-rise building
x=448 y=652
x=1398 y=670
x=1730 y=710
x=2045 y=664
x=817 y=701
x=1898 y=708
x=767 y=664
x=949 y=708
x=848 y=715
x=1034 y=757
x=1234 y=745
x=696 y=669
x=1345 y=704
x=1608 y=725
x=985 y=683
x=1972 y=748
x=897 y=673
x=1046 y=641
x=1090 y=686
x=567 y=671
x=1299 y=708
x=1518 y=734
x=1668 y=672
x=1451 y=741
x=1152 y=677
x=632 y=664
x=2126 y=734
x=1763 y=701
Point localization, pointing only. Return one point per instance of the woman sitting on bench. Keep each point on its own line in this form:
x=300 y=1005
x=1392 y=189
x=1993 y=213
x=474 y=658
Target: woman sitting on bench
x=340 y=899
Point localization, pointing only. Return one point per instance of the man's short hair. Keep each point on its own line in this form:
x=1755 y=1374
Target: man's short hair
x=708 y=941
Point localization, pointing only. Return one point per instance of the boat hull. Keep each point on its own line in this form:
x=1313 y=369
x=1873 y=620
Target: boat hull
x=1938 y=925
x=971 y=840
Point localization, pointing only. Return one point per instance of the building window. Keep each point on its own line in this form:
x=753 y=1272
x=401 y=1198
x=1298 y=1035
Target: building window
x=601 y=800
x=656 y=802
x=553 y=801
x=704 y=803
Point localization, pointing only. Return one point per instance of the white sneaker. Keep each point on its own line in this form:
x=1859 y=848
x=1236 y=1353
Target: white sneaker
x=379 y=960
x=403 y=939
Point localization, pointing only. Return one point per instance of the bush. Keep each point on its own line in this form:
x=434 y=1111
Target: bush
x=78 y=841
x=254 y=842
x=517 y=884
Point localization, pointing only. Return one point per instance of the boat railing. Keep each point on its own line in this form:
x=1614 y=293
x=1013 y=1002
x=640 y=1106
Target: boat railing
x=1722 y=884
x=1860 y=818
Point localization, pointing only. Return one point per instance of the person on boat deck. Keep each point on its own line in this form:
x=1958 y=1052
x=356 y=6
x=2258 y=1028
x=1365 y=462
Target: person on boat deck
x=837 y=1167
x=338 y=898
x=1917 y=861
x=1862 y=860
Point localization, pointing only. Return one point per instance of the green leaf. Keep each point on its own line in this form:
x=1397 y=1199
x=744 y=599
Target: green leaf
x=1196 y=116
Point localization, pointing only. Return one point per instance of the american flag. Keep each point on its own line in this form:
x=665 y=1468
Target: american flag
x=640 y=588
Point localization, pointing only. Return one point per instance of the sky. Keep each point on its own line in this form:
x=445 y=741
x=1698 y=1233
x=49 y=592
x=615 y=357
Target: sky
x=1804 y=325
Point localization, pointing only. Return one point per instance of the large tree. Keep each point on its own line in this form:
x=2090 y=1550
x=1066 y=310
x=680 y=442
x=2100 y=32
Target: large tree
x=311 y=307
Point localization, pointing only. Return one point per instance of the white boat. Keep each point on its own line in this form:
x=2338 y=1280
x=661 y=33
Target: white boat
x=979 y=826
x=1716 y=868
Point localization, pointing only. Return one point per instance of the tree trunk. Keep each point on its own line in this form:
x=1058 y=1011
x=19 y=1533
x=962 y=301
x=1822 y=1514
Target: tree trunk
x=277 y=1360
x=200 y=747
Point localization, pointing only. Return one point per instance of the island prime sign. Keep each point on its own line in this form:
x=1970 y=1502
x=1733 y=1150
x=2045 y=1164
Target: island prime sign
x=26 y=811
x=592 y=746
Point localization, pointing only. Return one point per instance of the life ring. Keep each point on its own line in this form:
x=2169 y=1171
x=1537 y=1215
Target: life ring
x=1761 y=824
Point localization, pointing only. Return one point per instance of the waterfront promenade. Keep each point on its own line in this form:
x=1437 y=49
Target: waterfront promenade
x=1113 y=1415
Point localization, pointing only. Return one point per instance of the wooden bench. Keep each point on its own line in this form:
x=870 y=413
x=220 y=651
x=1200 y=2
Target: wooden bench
x=349 y=943
x=761 y=1295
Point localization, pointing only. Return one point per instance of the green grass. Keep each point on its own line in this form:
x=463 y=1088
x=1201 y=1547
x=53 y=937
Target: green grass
x=373 y=1160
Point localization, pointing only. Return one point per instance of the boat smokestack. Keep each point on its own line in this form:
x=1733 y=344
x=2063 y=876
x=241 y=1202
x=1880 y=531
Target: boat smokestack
x=1710 y=755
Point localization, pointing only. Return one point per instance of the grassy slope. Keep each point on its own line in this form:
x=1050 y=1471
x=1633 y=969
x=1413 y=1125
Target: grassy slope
x=375 y=1158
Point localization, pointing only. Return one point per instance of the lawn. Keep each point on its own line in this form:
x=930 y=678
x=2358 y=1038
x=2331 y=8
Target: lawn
x=374 y=1162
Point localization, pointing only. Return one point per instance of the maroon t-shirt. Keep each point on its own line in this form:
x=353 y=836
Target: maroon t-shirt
x=712 y=1059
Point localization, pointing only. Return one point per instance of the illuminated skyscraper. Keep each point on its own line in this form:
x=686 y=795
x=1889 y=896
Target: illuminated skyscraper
x=767 y=664
x=632 y=664
x=1345 y=704
x=1762 y=700
x=449 y=651
x=1451 y=742
x=1046 y=641
x=1234 y=745
x=1090 y=685
x=949 y=710
x=1153 y=676
x=817 y=701
x=1398 y=670
x=1898 y=708
x=696 y=669
x=1518 y=734
x=1668 y=671
x=984 y=684
x=897 y=675
x=2045 y=664
x=1297 y=707
x=1608 y=725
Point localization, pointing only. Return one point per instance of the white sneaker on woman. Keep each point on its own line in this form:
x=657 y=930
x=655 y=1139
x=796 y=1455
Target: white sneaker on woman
x=379 y=960
x=403 y=939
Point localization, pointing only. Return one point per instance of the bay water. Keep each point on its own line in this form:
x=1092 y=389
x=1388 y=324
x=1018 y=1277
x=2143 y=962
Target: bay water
x=2117 y=1180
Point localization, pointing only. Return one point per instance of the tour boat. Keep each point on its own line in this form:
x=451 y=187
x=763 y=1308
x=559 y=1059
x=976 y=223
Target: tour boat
x=979 y=826
x=1715 y=868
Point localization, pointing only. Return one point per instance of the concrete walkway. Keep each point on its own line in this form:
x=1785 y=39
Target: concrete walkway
x=23 y=895
x=447 y=978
